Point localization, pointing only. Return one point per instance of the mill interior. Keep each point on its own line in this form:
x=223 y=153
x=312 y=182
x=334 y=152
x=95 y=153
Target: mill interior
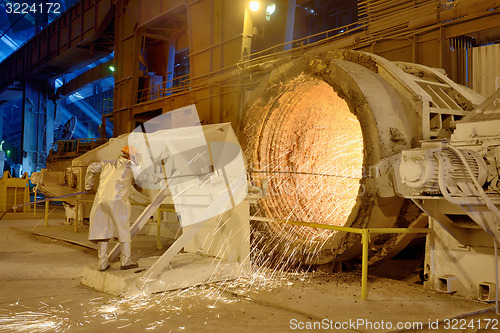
x=297 y=165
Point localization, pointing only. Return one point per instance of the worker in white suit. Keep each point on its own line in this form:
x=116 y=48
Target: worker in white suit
x=110 y=214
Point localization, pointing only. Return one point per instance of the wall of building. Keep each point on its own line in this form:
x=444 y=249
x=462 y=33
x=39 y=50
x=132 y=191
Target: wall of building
x=486 y=69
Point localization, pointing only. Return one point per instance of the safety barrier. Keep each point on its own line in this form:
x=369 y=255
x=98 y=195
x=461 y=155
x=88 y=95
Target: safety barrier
x=46 y=212
x=77 y=210
x=47 y=205
x=365 y=239
x=364 y=232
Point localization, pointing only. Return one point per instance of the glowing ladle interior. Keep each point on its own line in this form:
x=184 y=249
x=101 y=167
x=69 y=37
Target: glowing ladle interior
x=312 y=150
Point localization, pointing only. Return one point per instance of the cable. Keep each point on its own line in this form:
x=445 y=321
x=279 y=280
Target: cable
x=305 y=173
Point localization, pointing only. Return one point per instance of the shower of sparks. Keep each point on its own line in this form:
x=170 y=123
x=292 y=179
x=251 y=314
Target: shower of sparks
x=136 y=312
x=127 y=312
x=46 y=319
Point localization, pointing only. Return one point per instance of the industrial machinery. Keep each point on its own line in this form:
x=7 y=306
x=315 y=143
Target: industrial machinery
x=455 y=181
x=322 y=127
x=325 y=129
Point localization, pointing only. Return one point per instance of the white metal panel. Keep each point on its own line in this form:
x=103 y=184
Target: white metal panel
x=486 y=69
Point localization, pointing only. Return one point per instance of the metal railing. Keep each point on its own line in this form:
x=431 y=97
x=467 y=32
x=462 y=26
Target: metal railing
x=184 y=83
x=364 y=232
x=78 y=218
x=308 y=41
x=166 y=88
x=365 y=240
x=73 y=148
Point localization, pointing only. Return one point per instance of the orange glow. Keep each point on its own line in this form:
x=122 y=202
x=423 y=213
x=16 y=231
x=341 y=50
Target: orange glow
x=312 y=151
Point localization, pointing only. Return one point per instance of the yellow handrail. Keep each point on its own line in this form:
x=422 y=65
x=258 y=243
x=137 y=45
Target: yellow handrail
x=364 y=232
x=365 y=240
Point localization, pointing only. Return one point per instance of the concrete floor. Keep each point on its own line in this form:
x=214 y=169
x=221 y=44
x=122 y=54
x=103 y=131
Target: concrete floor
x=40 y=291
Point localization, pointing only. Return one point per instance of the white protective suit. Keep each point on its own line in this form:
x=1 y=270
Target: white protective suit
x=110 y=214
x=111 y=210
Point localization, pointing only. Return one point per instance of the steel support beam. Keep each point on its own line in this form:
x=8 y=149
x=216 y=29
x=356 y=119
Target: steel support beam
x=99 y=72
x=63 y=44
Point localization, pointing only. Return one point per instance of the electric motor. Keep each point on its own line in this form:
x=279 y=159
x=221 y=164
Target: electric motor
x=419 y=169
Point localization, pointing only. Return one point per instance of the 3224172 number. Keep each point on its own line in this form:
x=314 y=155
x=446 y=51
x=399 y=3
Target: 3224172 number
x=461 y=324
x=26 y=8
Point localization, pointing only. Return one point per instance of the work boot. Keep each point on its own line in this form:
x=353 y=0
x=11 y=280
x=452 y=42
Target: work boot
x=102 y=253
x=126 y=256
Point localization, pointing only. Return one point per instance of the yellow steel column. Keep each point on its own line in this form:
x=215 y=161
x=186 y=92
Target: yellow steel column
x=34 y=205
x=365 y=239
x=77 y=208
x=15 y=199
x=158 y=229
x=47 y=213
